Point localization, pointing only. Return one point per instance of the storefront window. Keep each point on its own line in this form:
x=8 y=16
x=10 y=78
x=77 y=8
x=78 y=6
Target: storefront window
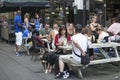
x=96 y=8
x=105 y=9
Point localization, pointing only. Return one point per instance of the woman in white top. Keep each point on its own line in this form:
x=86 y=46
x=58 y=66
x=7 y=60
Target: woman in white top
x=60 y=39
x=102 y=34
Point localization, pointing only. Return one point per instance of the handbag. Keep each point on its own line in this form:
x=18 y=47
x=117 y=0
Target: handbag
x=84 y=59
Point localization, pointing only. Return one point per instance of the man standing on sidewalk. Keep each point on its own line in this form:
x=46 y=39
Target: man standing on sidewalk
x=18 y=31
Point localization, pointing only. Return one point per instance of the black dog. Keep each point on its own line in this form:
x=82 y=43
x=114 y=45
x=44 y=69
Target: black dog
x=48 y=60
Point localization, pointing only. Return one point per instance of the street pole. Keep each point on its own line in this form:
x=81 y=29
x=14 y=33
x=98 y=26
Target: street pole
x=84 y=13
x=80 y=15
x=104 y=13
x=52 y=12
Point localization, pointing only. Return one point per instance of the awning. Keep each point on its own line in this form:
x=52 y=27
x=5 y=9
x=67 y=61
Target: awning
x=8 y=9
x=12 y=5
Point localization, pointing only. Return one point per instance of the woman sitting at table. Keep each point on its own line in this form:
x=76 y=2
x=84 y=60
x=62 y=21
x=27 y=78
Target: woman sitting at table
x=102 y=34
x=60 y=40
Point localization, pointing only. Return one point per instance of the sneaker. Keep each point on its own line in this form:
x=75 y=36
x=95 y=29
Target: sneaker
x=66 y=74
x=46 y=71
x=59 y=75
x=18 y=54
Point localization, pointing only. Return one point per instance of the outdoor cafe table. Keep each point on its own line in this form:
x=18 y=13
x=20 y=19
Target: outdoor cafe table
x=100 y=46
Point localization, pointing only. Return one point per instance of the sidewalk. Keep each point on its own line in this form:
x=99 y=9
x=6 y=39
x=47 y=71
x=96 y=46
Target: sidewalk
x=22 y=68
x=25 y=62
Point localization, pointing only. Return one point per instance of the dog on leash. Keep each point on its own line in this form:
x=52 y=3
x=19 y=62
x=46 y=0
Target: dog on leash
x=48 y=60
x=41 y=55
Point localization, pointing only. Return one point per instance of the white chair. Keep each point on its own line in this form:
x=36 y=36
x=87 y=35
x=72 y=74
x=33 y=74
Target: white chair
x=26 y=46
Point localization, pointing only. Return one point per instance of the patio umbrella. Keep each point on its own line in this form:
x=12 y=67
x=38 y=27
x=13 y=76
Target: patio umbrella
x=13 y=5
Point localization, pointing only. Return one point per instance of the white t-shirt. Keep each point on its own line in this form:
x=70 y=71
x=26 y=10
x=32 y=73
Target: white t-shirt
x=81 y=40
x=63 y=40
x=102 y=35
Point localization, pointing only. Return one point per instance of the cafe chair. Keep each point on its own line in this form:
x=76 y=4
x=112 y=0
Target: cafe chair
x=26 y=45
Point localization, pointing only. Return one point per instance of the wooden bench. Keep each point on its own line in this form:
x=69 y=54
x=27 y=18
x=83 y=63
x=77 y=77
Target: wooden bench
x=94 y=62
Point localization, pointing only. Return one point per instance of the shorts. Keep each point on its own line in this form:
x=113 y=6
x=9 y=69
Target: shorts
x=69 y=59
x=18 y=36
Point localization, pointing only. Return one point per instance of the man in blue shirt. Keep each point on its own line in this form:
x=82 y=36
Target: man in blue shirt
x=18 y=31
